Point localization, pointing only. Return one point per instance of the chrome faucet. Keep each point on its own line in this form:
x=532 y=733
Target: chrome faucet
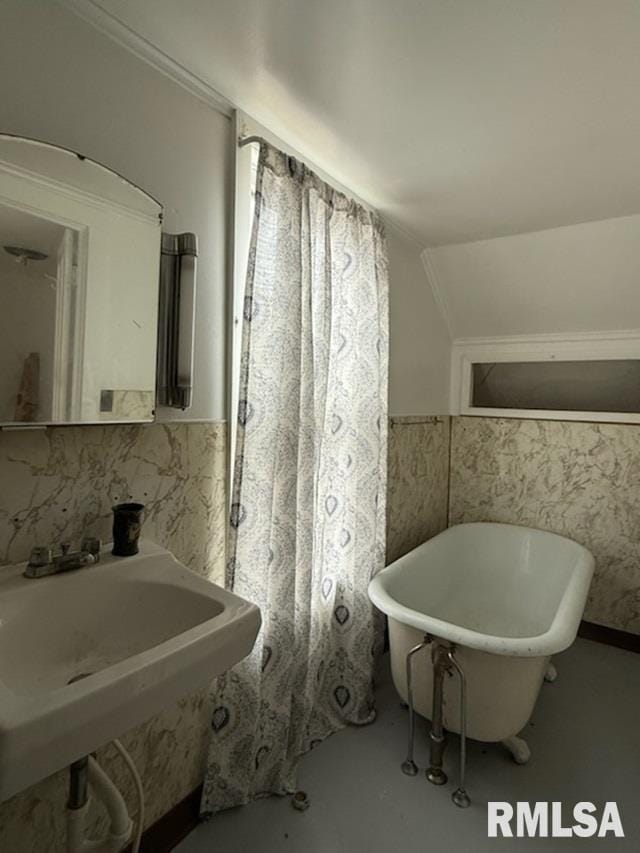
x=42 y=562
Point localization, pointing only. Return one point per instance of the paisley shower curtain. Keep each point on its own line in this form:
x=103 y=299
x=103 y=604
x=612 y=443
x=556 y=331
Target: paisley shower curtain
x=308 y=510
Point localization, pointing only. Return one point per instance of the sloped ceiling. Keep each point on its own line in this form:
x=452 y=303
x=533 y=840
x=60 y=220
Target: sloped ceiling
x=461 y=120
x=580 y=278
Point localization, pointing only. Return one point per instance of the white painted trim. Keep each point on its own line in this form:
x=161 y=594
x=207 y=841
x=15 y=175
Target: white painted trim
x=547 y=415
x=550 y=338
x=579 y=346
x=65 y=293
x=94 y=14
x=438 y=293
x=79 y=195
x=239 y=244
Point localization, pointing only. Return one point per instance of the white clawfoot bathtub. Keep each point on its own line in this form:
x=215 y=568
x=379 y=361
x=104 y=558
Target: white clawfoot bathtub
x=507 y=598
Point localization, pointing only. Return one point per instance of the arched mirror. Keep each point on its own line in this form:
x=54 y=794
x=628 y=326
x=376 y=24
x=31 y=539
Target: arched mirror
x=79 y=264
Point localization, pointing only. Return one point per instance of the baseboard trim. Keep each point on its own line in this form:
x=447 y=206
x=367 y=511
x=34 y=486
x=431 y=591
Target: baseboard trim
x=609 y=636
x=169 y=830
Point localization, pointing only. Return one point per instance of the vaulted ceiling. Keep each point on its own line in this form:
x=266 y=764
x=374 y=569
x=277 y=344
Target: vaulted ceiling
x=461 y=120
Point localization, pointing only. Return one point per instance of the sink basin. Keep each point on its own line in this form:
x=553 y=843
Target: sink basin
x=87 y=655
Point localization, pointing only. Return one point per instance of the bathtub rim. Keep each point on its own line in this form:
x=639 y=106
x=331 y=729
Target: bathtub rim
x=559 y=636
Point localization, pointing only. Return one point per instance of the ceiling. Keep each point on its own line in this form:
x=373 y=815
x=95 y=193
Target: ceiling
x=461 y=120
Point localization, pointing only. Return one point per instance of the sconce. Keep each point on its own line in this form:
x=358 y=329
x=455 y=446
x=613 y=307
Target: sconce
x=176 y=319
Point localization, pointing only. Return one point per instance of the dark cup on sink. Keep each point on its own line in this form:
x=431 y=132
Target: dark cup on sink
x=127 y=524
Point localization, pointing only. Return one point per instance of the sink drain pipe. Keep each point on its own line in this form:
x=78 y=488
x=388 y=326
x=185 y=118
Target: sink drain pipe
x=87 y=772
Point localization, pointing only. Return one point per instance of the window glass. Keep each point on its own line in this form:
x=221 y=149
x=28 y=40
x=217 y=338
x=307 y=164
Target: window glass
x=573 y=386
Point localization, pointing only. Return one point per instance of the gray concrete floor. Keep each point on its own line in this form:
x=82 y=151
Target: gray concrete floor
x=585 y=740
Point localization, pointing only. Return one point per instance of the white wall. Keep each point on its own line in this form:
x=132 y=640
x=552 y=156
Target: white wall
x=579 y=278
x=419 y=345
x=64 y=82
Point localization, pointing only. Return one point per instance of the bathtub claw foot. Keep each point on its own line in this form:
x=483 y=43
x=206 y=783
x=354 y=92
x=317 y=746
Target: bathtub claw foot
x=409 y=768
x=437 y=776
x=518 y=748
x=461 y=798
x=551 y=674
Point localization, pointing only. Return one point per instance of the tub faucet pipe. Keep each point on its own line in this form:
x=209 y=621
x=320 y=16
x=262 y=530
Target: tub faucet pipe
x=441 y=665
x=460 y=796
x=409 y=766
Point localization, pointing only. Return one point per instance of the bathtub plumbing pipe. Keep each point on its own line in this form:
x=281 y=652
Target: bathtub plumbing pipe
x=78 y=783
x=441 y=664
x=460 y=796
x=408 y=766
x=87 y=772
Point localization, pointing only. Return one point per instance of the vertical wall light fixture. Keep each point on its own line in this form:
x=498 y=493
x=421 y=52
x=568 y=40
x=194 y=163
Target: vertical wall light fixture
x=176 y=319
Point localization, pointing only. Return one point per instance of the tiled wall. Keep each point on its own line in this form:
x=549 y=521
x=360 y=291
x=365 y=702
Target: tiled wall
x=581 y=480
x=57 y=484
x=418 y=474
x=578 y=479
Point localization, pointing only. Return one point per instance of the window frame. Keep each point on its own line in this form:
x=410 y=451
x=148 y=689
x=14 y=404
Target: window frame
x=579 y=347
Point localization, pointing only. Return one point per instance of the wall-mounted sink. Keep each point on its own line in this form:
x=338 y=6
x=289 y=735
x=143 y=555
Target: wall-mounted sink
x=87 y=655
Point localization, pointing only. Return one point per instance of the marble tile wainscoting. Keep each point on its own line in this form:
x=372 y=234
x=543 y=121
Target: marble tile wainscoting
x=60 y=483
x=418 y=479
x=578 y=479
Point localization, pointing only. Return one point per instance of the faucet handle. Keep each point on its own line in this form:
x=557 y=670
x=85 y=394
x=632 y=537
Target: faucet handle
x=91 y=545
x=40 y=556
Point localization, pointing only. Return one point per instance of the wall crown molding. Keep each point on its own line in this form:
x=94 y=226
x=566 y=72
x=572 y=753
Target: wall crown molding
x=108 y=24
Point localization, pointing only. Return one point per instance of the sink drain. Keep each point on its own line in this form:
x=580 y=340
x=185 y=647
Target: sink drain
x=79 y=677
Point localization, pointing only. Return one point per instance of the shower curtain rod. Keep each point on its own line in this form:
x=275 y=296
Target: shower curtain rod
x=247 y=140
x=411 y=420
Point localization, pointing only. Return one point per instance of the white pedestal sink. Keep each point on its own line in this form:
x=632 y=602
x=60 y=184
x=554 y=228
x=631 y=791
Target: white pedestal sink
x=138 y=632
